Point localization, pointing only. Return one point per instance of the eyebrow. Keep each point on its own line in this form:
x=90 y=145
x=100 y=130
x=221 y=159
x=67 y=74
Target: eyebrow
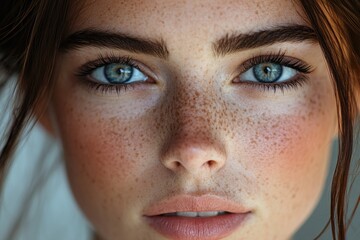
x=228 y=44
x=238 y=42
x=100 y=38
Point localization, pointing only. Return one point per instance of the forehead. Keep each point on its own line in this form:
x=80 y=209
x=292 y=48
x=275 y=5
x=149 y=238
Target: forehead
x=172 y=18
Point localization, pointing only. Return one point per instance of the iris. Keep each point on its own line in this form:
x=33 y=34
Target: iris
x=118 y=73
x=267 y=72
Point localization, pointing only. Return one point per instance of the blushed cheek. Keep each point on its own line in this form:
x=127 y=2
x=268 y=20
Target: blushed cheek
x=104 y=156
x=288 y=154
x=98 y=145
x=297 y=140
x=294 y=156
x=293 y=174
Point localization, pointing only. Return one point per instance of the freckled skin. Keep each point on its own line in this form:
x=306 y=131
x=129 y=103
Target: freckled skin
x=194 y=130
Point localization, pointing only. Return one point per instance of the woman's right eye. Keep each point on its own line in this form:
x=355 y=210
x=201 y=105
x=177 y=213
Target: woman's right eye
x=117 y=73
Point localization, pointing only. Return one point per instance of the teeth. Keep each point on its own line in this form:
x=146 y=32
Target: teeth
x=196 y=214
x=186 y=214
x=208 y=214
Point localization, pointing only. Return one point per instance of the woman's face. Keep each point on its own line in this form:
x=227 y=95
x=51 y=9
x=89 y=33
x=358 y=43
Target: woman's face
x=207 y=116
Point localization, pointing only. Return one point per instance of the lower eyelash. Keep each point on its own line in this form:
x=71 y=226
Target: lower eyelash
x=108 y=88
x=299 y=81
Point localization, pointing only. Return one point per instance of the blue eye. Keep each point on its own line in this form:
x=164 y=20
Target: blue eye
x=268 y=73
x=117 y=73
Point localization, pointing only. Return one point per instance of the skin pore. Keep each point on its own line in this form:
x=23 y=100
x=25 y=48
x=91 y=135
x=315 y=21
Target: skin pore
x=192 y=127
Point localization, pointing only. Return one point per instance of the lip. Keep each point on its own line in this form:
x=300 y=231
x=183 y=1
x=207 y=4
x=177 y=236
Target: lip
x=176 y=227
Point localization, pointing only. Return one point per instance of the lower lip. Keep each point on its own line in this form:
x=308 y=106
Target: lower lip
x=197 y=228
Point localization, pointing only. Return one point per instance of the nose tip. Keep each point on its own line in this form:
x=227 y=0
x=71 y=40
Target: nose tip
x=194 y=157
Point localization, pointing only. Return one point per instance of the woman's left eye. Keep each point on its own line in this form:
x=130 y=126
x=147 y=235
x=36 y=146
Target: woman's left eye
x=117 y=73
x=268 y=73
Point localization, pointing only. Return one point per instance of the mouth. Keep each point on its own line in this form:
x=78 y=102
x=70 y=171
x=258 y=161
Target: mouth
x=196 y=217
x=196 y=214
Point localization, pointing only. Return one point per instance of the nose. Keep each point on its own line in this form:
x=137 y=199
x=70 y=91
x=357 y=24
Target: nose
x=194 y=143
x=196 y=155
x=194 y=140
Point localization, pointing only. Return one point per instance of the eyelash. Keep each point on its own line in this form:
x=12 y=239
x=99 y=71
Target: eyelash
x=86 y=69
x=276 y=58
x=279 y=58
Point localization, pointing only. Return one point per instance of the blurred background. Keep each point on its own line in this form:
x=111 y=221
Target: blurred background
x=50 y=213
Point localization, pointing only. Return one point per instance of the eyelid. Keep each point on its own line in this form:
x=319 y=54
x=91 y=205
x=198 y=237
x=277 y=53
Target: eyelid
x=84 y=72
x=301 y=67
x=279 y=58
x=136 y=73
x=102 y=60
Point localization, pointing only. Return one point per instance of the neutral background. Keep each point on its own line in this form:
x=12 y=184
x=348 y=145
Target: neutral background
x=53 y=213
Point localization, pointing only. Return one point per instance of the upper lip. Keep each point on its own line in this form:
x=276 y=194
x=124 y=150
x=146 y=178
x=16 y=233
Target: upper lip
x=189 y=203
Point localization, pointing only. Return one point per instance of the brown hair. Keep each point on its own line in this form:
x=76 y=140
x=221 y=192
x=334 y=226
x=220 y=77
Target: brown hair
x=31 y=33
x=337 y=26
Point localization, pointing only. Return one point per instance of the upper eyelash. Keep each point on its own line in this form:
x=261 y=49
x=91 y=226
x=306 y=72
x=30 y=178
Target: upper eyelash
x=87 y=68
x=277 y=58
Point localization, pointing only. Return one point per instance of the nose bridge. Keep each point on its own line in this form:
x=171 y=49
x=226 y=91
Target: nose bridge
x=194 y=142
x=194 y=103
x=191 y=113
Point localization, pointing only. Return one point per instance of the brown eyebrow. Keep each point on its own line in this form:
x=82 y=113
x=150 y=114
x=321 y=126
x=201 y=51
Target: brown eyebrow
x=228 y=44
x=237 y=42
x=99 y=38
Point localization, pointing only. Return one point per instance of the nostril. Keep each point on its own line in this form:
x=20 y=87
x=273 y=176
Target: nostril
x=211 y=163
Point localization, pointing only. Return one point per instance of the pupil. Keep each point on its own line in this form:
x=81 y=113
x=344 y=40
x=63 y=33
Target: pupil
x=267 y=70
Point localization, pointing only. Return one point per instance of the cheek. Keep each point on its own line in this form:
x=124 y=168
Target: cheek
x=291 y=157
x=287 y=151
x=105 y=156
x=103 y=147
x=296 y=144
